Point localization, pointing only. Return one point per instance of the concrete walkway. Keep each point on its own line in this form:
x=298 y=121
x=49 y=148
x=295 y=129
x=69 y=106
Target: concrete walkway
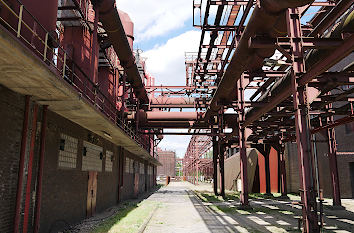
x=177 y=212
x=181 y=210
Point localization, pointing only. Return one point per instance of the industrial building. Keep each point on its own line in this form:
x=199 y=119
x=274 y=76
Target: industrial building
x=268 y=100
x=168 y=160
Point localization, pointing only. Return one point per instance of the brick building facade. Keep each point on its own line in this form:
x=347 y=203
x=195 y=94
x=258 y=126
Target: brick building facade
x=168 y=160
x=66 y=168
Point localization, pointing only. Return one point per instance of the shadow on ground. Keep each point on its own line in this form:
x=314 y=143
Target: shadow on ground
x=265 y=215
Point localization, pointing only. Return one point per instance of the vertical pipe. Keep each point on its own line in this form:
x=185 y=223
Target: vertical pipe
x=215 y=163
x=29 y=170
x=332 y=154
x=40 y=169
x=21 y=164
x=302 y=124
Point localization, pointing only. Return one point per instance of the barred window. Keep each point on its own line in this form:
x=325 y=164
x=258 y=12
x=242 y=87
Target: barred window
x=109 y=161
x=67 y=151
x=142 y=169
x=92 y=157
x=127 y=164
x=131 y=167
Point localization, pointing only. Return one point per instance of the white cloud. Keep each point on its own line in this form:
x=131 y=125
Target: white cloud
x=166 y=62
x=156 y=17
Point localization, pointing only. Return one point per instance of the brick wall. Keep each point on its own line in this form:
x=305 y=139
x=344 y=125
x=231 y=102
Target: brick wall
x=65 y=189
x=11 y=120
x=64 y=193
x=168 y=161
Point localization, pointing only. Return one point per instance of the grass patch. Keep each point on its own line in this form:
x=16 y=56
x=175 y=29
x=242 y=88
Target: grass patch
x=233 y=197
x=210 y=197
x=129 y=219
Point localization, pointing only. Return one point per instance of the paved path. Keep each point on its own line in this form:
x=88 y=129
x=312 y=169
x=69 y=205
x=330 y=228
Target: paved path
x=182 y=211
x=178 y=211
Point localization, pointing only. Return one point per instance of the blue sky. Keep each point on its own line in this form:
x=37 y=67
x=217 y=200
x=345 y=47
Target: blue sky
x=163 y=29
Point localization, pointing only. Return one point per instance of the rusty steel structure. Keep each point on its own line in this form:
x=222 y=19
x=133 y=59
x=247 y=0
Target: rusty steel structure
x=285 y=68
x=197 y=161
x=265 y=72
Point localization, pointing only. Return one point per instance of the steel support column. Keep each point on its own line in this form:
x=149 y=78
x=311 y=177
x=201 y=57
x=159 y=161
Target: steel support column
x=197 y=170
x=22 y=164
x=282 y=169
x=29 y=169
x=215 y=164
x=222 y=170
x=302 y=123
x=332 y=155
x=242 y=142
x=40 y=170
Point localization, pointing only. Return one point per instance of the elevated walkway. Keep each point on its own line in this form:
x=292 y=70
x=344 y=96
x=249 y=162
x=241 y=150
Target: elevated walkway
x=23 y=72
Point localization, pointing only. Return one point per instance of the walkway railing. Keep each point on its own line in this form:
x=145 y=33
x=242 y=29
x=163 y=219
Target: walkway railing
x=21 y=23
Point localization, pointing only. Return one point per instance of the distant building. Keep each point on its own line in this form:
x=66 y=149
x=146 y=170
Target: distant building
x=168 y=160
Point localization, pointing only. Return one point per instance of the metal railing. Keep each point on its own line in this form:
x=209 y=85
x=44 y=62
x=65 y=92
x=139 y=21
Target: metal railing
x=22 y=24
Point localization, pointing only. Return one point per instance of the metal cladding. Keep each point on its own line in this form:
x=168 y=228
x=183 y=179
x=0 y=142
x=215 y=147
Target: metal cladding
x=77 y=42
x=282 y=89
x=268 y=18
x=112 y=24
x=107 y=82
x=128 y=26
x=44 y=11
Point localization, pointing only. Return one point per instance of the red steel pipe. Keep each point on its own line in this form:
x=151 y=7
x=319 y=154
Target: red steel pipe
x=172 y=116
x=267 y=18
x=22 y=164
x=29 y=173
x=40 y=170
x=167 y=101
x=112 y=23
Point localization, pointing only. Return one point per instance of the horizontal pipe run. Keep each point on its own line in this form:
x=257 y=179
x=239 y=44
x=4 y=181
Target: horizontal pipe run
x=172 y=116
x=268 y=18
